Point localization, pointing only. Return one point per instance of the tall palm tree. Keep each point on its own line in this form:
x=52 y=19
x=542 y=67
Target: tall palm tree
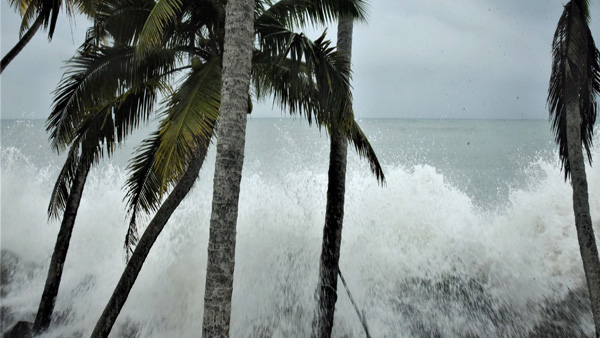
x=334 y=212
x=41 y=13
x=269 y=77
x=574 y=83
x=90 y=114
x=237 y=62
x=184 y=130
x=59 y=255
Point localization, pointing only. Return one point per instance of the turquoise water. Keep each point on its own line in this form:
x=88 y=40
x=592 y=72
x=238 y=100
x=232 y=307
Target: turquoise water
x=472 y=235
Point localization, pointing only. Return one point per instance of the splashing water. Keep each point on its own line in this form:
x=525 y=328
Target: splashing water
x=426 y=255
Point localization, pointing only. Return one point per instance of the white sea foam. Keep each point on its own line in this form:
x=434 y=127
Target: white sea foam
x=420 y=255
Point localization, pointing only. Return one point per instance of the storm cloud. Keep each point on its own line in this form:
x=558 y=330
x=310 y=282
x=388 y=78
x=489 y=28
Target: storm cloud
x=413 y=59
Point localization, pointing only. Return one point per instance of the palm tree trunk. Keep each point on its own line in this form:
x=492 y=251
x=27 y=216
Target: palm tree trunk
x=334 y=214
x=44 y=314
x=237 y=58
x=134 y=266
x=581 y=207
x=332 y=237
x=21 y=44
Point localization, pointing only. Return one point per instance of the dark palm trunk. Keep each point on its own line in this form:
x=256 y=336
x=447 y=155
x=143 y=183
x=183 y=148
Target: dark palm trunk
x=44 y=314
x=21 y=44
x=573 y=86
x=581 y=207
x=134 y=266
x=334 y=214
x=332 y=237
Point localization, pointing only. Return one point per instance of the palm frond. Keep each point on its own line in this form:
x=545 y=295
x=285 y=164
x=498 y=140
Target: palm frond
x=364 y=149
x=88 y=80
x=20 y=5
x=122 y=20
x=163 y=13
x=298 y=87
x=99 y=76
x=575 y=78
x=191 y=113
x=189 y=124
x=294 y=92
x=300 y=13
x=28 y=16
x=143 y=187
x=330 y=70
x=60 y=192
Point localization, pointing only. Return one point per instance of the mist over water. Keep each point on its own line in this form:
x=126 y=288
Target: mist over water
x=472 y=235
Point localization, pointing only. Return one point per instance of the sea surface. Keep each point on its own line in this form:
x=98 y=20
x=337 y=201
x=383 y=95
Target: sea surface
x=472 y=235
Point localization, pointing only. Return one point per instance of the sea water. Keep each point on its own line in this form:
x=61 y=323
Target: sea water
x=472 y=235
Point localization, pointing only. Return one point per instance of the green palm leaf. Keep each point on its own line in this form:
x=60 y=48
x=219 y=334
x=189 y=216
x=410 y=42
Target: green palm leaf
x=28 y=16
x=96 y=77
x=330 y=70
x=294 y=89
x=294 y=92
x=163 y=13
x=143 y=187
x=300 y=13
x=190 y=114
x=88 y=80
x=122 y=20
x=161 y=160
x=364 y=149
x=60 y=192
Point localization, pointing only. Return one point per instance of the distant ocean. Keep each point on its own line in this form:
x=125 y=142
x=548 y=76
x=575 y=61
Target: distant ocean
x=472 y=236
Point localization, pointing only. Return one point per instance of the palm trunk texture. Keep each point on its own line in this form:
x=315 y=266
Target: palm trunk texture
x=21 y=44
x=44 y=314
x=142 y=249
x=237 y=58
x=334 y=214
x=575 y=70
x=581 y=208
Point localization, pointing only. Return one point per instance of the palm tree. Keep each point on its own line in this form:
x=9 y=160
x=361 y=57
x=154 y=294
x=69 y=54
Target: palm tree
x=59 y=255
x=90 y=112
x=334 y=212
x=38 y=13
x=574 y=83
x=272 y=74
x=237 y=62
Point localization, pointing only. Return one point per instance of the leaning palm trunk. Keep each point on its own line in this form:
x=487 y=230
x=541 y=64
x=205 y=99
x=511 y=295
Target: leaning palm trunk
x=44 y=314
x=334 y=213
x=581 y=207
x=21 y=44
x=239 y=18
x=134 y=266
x=574 y=83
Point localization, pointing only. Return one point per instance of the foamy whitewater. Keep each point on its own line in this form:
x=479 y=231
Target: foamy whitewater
x=472 y=236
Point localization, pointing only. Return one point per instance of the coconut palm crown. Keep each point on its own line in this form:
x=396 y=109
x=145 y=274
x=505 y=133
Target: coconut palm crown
x=575 y=76
x=170 y=38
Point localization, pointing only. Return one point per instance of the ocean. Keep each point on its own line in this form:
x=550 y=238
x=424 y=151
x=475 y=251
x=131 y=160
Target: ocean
x=471 y=236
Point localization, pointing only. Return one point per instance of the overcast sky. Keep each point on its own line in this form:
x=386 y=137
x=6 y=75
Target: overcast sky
x=428 y=58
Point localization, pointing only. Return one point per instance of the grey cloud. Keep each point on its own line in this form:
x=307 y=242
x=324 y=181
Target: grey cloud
x=456 y=59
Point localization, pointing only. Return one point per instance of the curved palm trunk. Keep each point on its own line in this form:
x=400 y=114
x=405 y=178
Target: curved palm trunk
x=237 y=59
x=155 y=227
x=44 y=314
x=21 y=44
x=573 y=85
x=581 y=207
x=334 y=214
